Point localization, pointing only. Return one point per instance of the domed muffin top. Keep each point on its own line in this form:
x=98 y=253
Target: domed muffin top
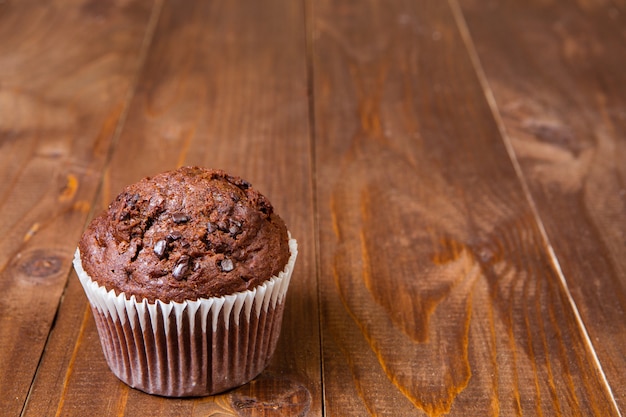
x=185 y=234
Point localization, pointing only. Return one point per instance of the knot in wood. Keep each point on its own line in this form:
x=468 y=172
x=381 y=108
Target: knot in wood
x=39 y=264
x=271 y=395
x=485 y=254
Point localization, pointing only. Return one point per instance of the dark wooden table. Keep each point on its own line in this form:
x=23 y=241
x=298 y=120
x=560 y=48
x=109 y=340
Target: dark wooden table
x=454 y=172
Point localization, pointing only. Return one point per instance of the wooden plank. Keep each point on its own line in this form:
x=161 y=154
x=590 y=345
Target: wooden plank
x=225 y=86
x=439 y=294
x=66 y=68
x=556 y=70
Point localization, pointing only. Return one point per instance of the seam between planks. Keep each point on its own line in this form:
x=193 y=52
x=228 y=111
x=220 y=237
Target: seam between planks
x=143 y=52
x=309 y=39
x=482 y=78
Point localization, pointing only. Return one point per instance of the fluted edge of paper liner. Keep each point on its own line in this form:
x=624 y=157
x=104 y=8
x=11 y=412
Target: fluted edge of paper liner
x=192 y=348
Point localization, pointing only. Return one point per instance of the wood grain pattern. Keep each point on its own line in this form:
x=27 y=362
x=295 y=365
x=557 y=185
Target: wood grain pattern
x=560 y=88
x=58 y=113
x=224 y=85
x=439 y=294
x=453 y=171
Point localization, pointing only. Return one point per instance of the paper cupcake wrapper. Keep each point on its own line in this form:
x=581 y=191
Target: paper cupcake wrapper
x=191 y=348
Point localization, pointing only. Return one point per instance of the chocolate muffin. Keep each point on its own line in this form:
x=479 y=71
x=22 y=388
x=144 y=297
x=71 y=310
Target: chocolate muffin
x=186 y=273
x=183 y=235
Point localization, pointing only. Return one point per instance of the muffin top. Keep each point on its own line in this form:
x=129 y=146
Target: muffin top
x=185 y=234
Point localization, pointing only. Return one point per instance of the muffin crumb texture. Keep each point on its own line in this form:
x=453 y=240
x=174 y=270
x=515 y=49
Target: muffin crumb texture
x=185 y=234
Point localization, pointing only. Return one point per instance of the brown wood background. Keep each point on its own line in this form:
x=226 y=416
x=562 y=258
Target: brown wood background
x=454 y=172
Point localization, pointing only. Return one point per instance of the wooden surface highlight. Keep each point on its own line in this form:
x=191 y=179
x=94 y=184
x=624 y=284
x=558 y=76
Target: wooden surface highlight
x=453 y=173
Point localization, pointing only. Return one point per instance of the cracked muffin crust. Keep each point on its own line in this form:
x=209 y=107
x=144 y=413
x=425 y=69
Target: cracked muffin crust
x=185 y=234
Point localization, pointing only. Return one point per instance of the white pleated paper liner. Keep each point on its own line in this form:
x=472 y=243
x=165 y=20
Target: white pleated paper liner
x=192 y=348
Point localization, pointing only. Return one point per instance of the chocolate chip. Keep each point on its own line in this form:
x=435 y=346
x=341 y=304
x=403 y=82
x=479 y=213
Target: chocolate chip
x=159 y=248
x=223 y=226
x=175 y=235
x=227 y=265
x=179 y=271
x=124 y=216
x=180 y=218
x=131 y=200
x=181 y=268
x=235 y=228
x=211 y=227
